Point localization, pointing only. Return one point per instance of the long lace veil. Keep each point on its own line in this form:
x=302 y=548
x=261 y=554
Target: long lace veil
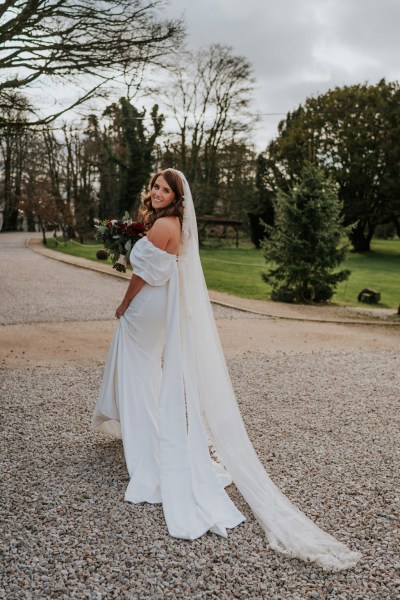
x=208 y=383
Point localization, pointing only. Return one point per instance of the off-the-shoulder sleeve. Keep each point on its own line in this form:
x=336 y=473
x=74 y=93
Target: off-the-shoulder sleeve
x=151 y=263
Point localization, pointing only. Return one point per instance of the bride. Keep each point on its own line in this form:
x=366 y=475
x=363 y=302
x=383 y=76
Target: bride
x=167 y=392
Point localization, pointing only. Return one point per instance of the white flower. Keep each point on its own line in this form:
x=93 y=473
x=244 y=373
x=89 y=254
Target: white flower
x=122 y=260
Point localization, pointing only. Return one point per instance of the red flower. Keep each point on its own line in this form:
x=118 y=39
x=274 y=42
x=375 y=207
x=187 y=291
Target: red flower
x=135 y=229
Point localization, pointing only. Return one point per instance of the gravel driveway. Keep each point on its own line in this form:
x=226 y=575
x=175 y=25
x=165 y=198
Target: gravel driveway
x=325 y=424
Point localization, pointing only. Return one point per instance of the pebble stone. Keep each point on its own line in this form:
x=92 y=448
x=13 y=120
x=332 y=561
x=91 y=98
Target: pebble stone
x=325 y=426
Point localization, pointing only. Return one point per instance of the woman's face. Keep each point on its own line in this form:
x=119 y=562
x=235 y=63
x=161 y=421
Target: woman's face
x=161 y=194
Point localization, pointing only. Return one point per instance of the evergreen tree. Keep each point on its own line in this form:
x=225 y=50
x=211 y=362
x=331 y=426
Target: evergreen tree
x=128 y=149
x=305 y=245
x=138 y=145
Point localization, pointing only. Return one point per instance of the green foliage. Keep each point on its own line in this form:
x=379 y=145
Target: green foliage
x=102 y=254
x=353 y=133
x=263 y=209
x=305 y=243
x=126 y=158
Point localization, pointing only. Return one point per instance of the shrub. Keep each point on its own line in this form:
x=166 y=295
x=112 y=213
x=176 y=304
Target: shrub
x=102 y=254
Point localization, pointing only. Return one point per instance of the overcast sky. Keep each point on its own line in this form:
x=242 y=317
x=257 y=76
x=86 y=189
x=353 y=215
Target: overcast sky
x=299 y=48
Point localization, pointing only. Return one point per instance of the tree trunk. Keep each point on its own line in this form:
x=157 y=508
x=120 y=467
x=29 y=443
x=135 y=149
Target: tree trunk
x=396 y=222
x=43 y=228
x=10 y=220
x=361 y=236
x=30 y=220
x=10 y=210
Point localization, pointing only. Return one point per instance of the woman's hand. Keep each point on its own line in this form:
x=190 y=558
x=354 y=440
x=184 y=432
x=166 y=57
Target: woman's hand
x=135 y=285
x=121 y=309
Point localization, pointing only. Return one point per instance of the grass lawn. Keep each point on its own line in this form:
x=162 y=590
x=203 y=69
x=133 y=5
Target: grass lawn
x=379 y=269
x=87 y=250
x=238 y=271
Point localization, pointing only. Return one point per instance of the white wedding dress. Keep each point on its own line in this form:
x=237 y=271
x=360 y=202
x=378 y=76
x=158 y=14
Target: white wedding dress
x=168 y=412
x=165 y=448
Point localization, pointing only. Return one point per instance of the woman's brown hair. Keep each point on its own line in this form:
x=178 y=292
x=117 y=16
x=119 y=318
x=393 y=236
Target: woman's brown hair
x=148 y=214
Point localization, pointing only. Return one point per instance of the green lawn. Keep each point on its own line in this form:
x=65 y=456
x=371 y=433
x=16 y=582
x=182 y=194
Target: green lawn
x=87 y=250
x=379 y=269
x=238 y=271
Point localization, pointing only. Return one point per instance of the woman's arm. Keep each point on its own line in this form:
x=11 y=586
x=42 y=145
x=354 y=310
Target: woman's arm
x=160 y=235
x=135 y=285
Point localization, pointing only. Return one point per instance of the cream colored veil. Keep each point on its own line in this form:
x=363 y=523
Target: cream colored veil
x=208 y=386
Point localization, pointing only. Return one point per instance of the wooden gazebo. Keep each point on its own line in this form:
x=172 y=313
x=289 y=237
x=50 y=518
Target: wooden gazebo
x=205 y=220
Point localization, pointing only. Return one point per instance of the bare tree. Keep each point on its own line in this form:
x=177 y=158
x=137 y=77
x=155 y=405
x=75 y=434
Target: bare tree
x=64 y=39
x=37 y=200
x=13 y=148
x=81 y=179
x=208 y=96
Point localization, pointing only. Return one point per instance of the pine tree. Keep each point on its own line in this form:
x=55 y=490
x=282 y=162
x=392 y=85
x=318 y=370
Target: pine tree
x=305 y=244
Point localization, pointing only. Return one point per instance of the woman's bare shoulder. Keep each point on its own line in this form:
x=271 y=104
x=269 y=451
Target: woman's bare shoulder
x=164 y=223
x=163 y=232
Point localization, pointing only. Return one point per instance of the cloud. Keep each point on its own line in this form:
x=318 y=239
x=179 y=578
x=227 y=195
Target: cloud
x=299 y=48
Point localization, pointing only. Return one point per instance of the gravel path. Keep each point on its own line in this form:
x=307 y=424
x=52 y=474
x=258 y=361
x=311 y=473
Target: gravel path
x=325 y=425
x=38 y=289
x=329 y=439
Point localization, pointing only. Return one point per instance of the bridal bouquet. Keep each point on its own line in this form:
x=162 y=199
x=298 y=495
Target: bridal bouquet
x=119 y=237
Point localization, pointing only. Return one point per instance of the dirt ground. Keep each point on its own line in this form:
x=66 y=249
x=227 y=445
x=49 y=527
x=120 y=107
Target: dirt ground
x=87 y=342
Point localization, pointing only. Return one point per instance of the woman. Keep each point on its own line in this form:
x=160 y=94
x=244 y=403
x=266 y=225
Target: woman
x=168 y=418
